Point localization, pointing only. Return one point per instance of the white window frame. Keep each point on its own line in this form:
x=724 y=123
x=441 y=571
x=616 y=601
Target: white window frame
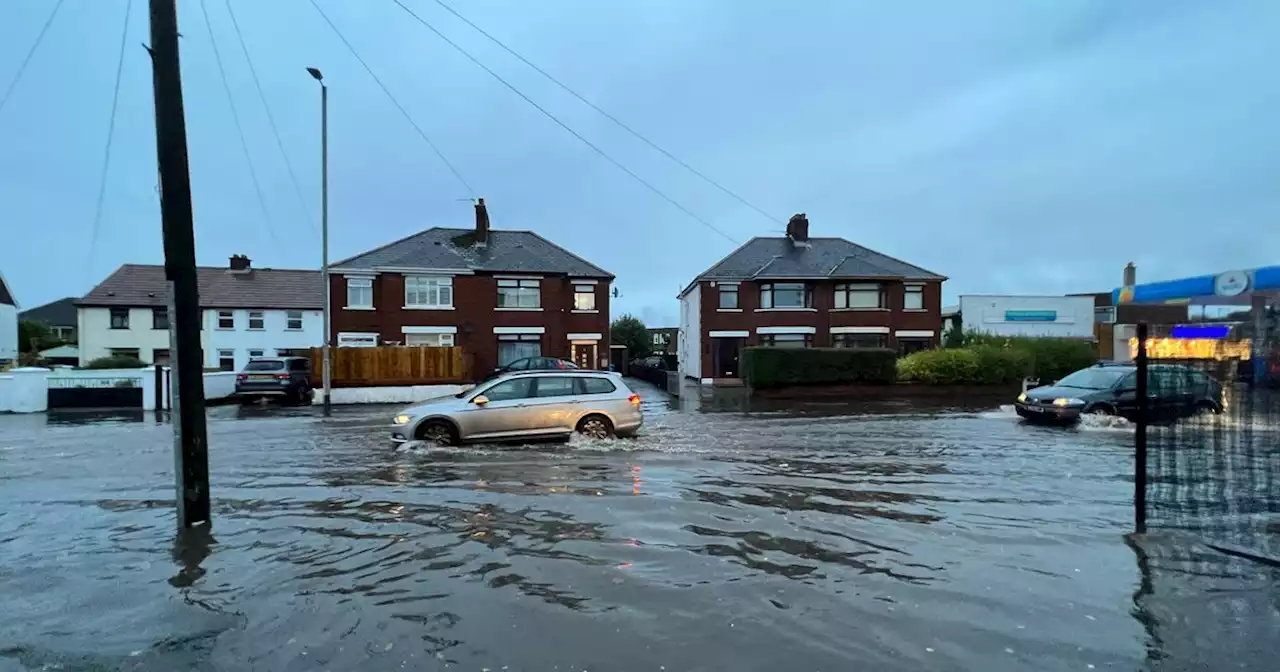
x=845 y=292
x=584 y=297
x=228 y=315
x=227 y=353
x=357 y=339
x=1104 y=314
x=428 y=291
x=437 y=340
x=527 y=294
x=363 y=288
x=260 y=353
x=261 y=319
x=291 y=317
x=913 y=291
x=657 y=338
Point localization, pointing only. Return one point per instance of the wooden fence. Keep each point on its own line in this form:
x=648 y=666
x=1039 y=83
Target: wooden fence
x=390 y=365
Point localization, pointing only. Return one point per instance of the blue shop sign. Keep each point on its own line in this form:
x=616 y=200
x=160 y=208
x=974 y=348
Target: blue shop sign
x=1030 y=316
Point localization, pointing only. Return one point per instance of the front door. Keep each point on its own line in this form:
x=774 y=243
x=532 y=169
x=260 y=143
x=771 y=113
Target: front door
x=725 y=352
x=584 y=354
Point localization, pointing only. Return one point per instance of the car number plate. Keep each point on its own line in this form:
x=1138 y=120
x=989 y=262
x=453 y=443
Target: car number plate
x=261 y=377
x=1034 y=409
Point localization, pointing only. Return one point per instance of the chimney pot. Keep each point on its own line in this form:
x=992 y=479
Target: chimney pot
x=239 y=262
x=482 y=223
x=798 y=228
x=1130 y=275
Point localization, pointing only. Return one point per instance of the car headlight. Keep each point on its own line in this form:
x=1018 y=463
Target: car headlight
x=402 y=419
x=1022 y=397
x=1068 y=402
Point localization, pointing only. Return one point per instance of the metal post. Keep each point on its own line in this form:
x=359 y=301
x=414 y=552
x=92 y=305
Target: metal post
x=190 y=441
x=1140 y=436
x=324 y=231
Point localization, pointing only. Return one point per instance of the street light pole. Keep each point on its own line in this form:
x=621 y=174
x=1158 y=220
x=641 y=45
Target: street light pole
x=324 y=226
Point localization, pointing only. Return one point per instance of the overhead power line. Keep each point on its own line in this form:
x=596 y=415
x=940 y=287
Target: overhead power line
x=111 y=130
x=648 y=185
x=395 y=102
x=235 y=116
x=30 y=52
x=271 y=120
x=608 y=116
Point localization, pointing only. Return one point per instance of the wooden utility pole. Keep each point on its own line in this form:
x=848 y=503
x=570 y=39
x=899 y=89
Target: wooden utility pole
x=190 y=441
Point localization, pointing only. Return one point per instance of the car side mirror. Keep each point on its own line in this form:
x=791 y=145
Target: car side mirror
x=480 y=400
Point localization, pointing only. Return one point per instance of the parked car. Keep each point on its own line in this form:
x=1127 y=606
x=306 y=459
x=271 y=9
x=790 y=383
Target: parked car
x=525 y=405
x=533 y=364
x=1174 y=391
x=284 y=378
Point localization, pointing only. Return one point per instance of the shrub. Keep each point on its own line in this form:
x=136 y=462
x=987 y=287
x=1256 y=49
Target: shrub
x=981 y=365
x=774 y=367
x=1051 y=358
x=115 y=362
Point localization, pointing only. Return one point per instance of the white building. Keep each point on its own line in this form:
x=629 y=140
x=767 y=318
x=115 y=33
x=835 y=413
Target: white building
x=8 y=323
x=246 y=313
x=1022 y=315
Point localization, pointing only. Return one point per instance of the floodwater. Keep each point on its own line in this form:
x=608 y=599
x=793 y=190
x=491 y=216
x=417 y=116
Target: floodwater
x=815 y=537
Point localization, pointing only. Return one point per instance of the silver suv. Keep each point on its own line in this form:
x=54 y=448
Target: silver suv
x=528 y=404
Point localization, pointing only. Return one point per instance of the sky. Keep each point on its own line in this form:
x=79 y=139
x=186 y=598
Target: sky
x=1015 y=147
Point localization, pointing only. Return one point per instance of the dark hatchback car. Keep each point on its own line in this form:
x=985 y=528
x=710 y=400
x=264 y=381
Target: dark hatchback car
x=285 y=378
x=533 y=364
x=1174 y=391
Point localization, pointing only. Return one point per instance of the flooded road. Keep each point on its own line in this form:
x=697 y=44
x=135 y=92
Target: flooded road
x=821 y=537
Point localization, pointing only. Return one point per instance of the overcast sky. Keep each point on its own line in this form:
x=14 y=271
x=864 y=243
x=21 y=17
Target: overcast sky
x=1016 y=147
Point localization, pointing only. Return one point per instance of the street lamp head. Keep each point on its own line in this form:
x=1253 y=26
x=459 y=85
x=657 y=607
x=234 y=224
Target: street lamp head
x=315 y=72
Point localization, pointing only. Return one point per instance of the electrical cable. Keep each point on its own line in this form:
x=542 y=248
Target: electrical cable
x=566 y=127
x=30 y=52
x=235 y=116
x=608 y=116
x=395 y=102
x=111 y=130
x=271 y=120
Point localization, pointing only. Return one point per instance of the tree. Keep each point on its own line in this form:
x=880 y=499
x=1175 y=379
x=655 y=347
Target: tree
x=35 y=336
x=954 y=338
x=628 y=330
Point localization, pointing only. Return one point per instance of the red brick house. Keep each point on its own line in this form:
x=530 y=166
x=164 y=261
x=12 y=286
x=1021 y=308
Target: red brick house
x=798 y=292
x=500 y=295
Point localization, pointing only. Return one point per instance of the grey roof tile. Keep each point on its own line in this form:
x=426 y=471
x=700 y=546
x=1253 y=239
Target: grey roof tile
x=822 y=258
x=60 y=313
x=454 y=249
x=142 y=285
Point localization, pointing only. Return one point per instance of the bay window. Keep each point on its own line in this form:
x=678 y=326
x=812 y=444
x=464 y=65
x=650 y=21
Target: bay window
x=859 y=340
x=519 y=294
x=518 y=346
x=423 y=291
x=864 y=295
x=785 y=295
x=786 y=340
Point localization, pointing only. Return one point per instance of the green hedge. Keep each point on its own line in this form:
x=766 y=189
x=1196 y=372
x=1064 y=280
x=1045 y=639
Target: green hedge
x=1051 y=358
x=115 y=362
x=979 y=365
x=774 y=367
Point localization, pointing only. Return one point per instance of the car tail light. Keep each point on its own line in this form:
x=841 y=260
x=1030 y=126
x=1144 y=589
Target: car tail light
x=240 y=377
x=635 y=400
x=282 y=376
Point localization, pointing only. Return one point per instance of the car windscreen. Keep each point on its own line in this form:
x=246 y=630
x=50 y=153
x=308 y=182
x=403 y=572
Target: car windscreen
x=1093 y=379
x=264 y=365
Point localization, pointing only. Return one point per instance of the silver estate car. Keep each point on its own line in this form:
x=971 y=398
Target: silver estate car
x=523 y=405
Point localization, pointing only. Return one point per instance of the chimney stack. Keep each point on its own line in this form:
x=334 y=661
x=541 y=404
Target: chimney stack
x=239 y=262
x=798 y=229
x=482 y=223
x=1130 y=275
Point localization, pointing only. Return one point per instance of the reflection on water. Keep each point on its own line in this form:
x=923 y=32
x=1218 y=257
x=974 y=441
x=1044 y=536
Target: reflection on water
x=823 y=537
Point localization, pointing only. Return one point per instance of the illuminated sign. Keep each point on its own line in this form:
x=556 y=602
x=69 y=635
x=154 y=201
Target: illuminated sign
x=1216 y=331
x=1192 y=348
x=1231 y=283
x=1030 y=315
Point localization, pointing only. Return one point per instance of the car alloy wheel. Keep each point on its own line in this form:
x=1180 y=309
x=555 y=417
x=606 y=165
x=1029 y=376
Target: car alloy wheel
x=596 y=428
x=437 y=433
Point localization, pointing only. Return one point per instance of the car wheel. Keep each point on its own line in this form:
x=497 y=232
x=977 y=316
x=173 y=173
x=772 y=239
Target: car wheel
x=596 y=427
x=1205 y=409
x=437 y=432
x=1102 y=410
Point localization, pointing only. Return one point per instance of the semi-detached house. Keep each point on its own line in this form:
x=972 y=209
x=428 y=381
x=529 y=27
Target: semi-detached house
x=500 y=295
x=800 y=292
x=246 y=312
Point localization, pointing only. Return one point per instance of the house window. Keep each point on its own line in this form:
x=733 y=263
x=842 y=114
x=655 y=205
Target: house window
x=227 y=360
x=293 y=320
x=124 y=352
x=1105 y=315
x=160 y=356
x=907 y=346
x=119 y=318
x=913 y=298
x=429 y=340
x=859 y=341
x=861 y=295
x=226 y=319
x=786 y=340
x=728 y=296
x=359 y=292
x=657 y=338
x=160 y=318
x=584 y=297
x=256 y=354
x=255 y=319
x=519 y=294
x=421 y=291
x=518 y=346
x=785 y=295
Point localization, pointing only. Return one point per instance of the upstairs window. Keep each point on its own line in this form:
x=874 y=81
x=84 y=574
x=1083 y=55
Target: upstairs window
x=160 y=318
x=256 y=320
x=913 y=297
x=865 y=295
x=422 y=291
x=226 y=319
x=785 y=295
x=293 y=320
x=359 y=292
x=1105 y=315
x=729 y=296
x=119 y=318
x=519 y=294
x=584 y=297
